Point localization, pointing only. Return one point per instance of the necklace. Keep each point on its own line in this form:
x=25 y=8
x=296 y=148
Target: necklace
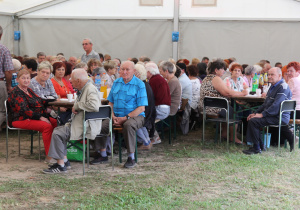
x=24 y=90
x=59 y=82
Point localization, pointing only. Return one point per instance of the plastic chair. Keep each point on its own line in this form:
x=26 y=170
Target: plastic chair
x=297 y=127
x=286 y=106
x=104 y=112
x=221 y=103
x=18 y=129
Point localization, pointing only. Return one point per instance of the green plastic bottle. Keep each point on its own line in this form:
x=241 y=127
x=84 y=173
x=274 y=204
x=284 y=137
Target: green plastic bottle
x=255 y=83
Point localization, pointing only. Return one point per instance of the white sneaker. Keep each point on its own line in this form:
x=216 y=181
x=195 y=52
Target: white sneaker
x=156 y=140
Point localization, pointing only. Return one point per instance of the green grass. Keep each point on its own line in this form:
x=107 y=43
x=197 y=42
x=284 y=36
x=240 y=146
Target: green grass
x=180 y=176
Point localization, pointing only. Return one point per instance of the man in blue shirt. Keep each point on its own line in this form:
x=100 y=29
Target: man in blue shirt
x=268 y=112
x=128 y=98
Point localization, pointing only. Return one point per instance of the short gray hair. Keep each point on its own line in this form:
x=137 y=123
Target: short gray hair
x=277 y=69
x=17 y=64
x=249 y=70
x=152 y=68
x=45 y=65
x=90 y=41
x=81 y=65
x=98 y=70
x=168 y=66
x=142 y=71
x=132 y=64
x=40 y=54
x=80 y=74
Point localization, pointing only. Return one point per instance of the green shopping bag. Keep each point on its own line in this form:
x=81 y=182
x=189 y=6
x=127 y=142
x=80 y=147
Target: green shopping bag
x=75 y=150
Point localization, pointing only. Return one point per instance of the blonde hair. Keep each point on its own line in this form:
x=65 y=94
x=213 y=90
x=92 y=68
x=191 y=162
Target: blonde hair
x=22 y=72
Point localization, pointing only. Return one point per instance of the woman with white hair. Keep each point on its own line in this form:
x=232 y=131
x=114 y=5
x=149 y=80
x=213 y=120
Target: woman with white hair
x=150 y=112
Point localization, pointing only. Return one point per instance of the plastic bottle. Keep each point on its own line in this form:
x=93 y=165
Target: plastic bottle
x=255 y=83
x=266 y=79
x=104 y=85
x=14 y=80
x=98 y=82
x=261 y=82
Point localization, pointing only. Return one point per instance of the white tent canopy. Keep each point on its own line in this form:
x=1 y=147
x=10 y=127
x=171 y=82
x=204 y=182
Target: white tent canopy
x=249 y=30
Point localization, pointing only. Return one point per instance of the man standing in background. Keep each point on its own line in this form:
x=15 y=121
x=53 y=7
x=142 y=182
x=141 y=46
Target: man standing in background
x=6 y=70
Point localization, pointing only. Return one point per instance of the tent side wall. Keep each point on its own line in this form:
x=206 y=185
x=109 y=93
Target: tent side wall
x=119 y=38
x=248 y=41
x=6 y=22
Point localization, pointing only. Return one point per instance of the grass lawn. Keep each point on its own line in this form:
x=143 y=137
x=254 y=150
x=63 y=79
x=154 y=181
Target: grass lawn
x=184 y=175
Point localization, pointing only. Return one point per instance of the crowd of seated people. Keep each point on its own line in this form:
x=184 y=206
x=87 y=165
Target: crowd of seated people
x=168 y=88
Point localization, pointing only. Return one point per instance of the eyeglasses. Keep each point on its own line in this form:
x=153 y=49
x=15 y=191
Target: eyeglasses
x=237 y=70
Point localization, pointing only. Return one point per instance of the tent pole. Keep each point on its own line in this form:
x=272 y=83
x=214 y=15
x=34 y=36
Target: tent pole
x=176 y=28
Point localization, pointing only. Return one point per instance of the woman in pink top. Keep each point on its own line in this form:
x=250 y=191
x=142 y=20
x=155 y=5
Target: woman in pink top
x=293 y=71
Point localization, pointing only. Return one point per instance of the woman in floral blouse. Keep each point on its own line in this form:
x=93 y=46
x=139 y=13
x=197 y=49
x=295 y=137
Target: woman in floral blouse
x=29 y=110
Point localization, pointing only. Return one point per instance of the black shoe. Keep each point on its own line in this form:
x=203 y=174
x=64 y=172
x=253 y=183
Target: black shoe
x=252 y=151
x=263 y=147
x=99 y=160
x=68 y=165
x=129 y=163
x=55 y=169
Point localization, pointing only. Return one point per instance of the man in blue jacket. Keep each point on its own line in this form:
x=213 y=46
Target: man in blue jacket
x=268 y=112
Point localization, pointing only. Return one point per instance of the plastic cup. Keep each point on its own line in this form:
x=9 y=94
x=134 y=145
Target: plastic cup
x=249 y=90
x=70 y=97
x=75 y=96
x=258 y=92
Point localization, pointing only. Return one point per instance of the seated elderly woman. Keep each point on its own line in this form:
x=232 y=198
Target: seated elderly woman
x=67 y=77
x=111 y=68
x=213 y=86
x=92 y=64
x=150 y=112
x=293 y=72
x=235 y=81
x=167 y=70
x=41 y=84
x=60 y=86
x=29 y=111
x=249 y=74
x=61 y=89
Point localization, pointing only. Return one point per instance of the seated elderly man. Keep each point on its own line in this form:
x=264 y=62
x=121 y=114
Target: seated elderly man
x=161 y=93
x=167 y=70
x=268 y=113
x=87 y=100
x=128 y=98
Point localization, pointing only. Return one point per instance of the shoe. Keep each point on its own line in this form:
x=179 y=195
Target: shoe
x=68 y=165
x=129 y=163
x=263 y=148
x=145 y=148
x=252 y=151
x=55 y=169
x=156 y=140
x=99 y=160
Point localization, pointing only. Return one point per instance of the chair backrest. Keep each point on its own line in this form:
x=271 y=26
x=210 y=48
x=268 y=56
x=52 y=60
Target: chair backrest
x=103 y=113
x=287 y=106
x=215 y=102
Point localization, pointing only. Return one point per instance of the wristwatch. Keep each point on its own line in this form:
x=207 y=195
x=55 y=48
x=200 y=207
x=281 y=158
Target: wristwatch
x=127 y=117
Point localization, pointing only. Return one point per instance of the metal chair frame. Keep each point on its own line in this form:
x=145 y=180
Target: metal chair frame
x=18 y=129
x=285 y=106
x=105 y=112
x=221 y=103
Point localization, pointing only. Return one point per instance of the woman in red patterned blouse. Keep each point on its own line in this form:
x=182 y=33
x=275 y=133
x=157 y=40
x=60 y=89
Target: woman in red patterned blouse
x=29 y=110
